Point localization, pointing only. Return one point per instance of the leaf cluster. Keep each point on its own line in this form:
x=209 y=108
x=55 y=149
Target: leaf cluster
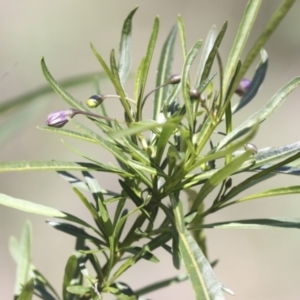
x=160 y=161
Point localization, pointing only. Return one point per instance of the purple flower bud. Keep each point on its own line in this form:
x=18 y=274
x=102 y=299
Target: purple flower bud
x=243 y=87
x=60 y=117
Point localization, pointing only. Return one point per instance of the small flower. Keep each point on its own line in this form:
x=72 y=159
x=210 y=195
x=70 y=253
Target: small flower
x=243 y=87
x=60 y=117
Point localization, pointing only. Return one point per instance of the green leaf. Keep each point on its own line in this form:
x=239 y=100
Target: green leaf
x=219 y=176
x=147 y=254
x=127 y=264
x=212 y=54
x=182 y=35
x=70 y=271
x=206 y=49
x=47 y=166
x=122 y=291
x=70 y=133
x=258 y=177
x=164 y=71
x=268 y=155
x=30 y=207
x=145 y=67
x=102 y=167
x=59 y=89
x=167 y=130
x=77 y=232
x=272 y=223
x=227 y=151
x=283 y=191
x=115 y=81
x=94 y=213
x=27 y=291
x=119 y=227
x=199 y=270
x=262 y=114
x=115 y=72
x=205 y=284
x=73 y=180
x=135 y=128
x=275 y=20
x=161 y=284
x=124 y=63
x=78 y=289
x=21 y=253
x=241 y=38
x=42 y=285
x=185 y=82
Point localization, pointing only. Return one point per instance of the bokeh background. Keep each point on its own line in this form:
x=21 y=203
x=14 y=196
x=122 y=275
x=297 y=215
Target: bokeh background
x=254 y=264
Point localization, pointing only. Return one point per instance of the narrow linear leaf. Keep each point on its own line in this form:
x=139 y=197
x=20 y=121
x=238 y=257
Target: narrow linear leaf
x=47 y=166
x=125 y=58
x=244 y=29
x=70 y=271
x=262 y=175
x=275 y=20
x=272 y=223
x=269 y=155
x=206 y=49
x=27 y=291
x=161 y=284
x=212 y=54
x=181 y=28
x=283 y=191
x=146 y=66
x=43 y=285
x=164 y=71
x=69 y=133
x=114 y=81
x=30 y=207
x=59 y=89
x=163 y=139
x=262 y=114
x=23 y=258
x=205 y=284
x=76 y=232
x=185 y=82
x=219 y=176
x=229 y=150
x=135 y=127
x=199 y=270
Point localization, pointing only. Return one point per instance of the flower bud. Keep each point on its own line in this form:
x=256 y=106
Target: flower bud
x=243 y=87
x=174 y=79
x=194 y=94
x=251 y=147
x=60 y=117
x=95 y=100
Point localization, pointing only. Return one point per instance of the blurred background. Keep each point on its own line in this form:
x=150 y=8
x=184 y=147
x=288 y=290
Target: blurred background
x=255 y=264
